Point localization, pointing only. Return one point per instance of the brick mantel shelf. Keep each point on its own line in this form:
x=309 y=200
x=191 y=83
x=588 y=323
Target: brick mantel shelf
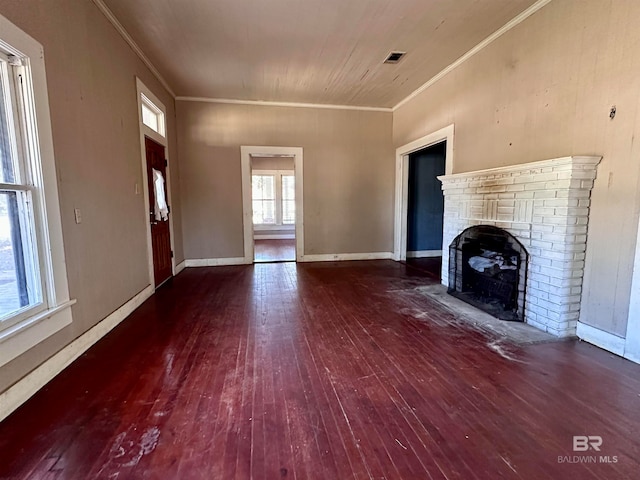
x=545 y=205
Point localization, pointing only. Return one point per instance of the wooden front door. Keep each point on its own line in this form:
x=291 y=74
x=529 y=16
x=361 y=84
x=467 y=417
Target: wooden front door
x=160 y=233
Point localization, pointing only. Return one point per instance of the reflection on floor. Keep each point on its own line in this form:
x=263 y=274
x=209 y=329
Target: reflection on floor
x=275 y=250
x=430 y=265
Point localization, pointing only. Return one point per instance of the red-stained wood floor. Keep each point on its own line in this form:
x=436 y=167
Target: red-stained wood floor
x=322 y=371
x=429 y=265
x=274 y=250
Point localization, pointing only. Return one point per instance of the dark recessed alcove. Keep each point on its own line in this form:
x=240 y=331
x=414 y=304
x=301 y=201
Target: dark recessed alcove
x=488 y=269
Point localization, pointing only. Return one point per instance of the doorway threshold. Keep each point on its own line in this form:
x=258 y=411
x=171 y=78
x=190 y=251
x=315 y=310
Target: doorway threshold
x=274 y=261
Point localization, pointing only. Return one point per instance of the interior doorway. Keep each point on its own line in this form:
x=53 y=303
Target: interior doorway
x=273 y=208
x=425 y=208
x=158 y=212
x=442 y=140
x=272 y=203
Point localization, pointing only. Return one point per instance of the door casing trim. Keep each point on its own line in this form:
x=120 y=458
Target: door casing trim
x=402 y=183
x=147 y=132
x=246 y=152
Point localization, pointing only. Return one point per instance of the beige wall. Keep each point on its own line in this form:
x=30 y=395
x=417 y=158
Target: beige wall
x=348 y=175
x=92 y=92
x=544 y=90
x=272 y=163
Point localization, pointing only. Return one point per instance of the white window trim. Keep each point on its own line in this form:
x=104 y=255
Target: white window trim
x=276 y=206
x=145 y=131
x=160 y=113
x=22 y=336
x=279 y=225
x=269 y=227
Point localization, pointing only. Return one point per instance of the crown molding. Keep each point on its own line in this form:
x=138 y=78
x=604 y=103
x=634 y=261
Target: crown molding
x=487 y=41
x=134 y=46
x=282 y=104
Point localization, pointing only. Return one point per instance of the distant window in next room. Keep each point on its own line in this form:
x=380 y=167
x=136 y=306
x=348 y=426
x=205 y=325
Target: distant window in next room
x=288 y=199
x=263 y=188
x=273 y=198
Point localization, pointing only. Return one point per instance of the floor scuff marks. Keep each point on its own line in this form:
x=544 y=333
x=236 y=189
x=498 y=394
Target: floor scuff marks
x=126 y=453
x=496 y=346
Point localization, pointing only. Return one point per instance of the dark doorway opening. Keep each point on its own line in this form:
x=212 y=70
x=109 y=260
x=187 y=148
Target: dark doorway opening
x=425 y=207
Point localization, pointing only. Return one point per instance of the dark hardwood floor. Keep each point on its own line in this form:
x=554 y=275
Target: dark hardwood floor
x=274 y=250
x=429 y=265
x=322 y=371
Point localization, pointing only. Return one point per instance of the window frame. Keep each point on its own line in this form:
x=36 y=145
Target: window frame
x=24 y=185
x=149 y=104
x=263 y=199
x=278 y=225
x=25 y=329
x=282 y=199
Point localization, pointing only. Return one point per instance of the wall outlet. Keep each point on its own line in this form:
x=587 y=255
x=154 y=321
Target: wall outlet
x=78 y=215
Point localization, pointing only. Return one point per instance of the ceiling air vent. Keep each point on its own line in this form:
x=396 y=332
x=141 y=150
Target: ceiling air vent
x=394 y=57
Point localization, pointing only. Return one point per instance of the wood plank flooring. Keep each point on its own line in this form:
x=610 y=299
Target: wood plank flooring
x=274 y=250
x=322 y=371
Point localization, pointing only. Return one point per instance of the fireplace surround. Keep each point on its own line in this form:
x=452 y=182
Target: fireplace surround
x=545 y=207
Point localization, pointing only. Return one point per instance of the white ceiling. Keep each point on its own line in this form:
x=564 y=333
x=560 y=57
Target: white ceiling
x=307 y=51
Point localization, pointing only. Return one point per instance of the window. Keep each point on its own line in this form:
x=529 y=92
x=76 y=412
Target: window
x=20 y=279
x=273 y=198
x=34 y=297
x=288 y=199
x=152 y=116
x=263 y=189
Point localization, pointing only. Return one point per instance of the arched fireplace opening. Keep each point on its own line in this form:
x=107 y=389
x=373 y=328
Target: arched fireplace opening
x=488 y=269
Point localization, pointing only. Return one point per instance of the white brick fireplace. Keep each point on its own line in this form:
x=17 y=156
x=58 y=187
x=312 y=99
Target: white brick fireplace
x=545 y=205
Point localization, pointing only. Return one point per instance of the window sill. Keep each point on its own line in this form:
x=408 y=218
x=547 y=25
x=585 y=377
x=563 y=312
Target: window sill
x=17 y=339
x=266 y=227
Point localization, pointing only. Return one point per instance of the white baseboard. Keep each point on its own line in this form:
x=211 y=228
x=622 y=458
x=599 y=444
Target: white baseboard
x=424 y=254
x=282 y=236
x=632 y=356
x=214 y=262
x=180 y=267
x=19 y=393
x=339 y=257
x=600 y=338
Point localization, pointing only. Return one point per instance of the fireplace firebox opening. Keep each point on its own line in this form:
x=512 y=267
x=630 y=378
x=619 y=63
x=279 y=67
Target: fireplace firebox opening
x=488 y=269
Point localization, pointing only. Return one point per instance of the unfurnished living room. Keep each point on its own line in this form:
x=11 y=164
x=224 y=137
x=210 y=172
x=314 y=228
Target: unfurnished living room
x=319 y=239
